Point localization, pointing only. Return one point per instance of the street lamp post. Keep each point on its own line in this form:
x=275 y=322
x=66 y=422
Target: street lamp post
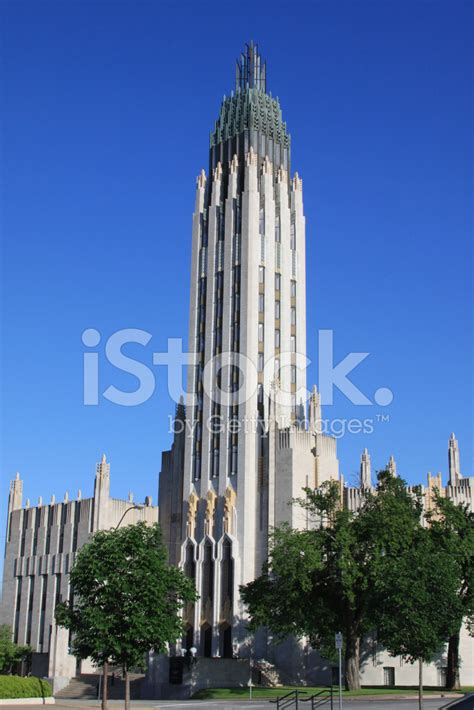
x=105 y=667
x=132 y=507
x=339 y=650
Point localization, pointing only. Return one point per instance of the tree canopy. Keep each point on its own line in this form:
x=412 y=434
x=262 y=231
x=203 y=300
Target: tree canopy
x=333 y=576
x=127 y=599
x=452 y=527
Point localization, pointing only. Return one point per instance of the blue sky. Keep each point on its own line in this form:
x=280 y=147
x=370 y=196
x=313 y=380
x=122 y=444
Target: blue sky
x=107 y=112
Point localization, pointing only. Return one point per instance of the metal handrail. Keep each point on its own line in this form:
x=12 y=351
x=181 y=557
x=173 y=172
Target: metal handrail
x=292 y=697
x=325 y=695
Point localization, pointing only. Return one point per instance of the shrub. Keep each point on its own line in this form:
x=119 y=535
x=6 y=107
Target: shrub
x=13 y=686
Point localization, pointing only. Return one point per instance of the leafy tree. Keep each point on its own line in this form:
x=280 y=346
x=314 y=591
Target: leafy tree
x=417 y=604
x=452 y=527
x=127 y=599
x=11 y=653
x=320 y=581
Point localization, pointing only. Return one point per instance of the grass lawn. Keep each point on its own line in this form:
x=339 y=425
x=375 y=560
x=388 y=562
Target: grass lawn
x=259 y=692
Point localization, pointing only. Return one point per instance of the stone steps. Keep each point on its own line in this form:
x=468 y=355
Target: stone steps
x=85 y=687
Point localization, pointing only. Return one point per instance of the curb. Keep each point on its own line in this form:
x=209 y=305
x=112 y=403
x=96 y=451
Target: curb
x=27 y=701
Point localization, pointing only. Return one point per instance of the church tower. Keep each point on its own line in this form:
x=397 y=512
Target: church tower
x=247 y=322
x=245 y=455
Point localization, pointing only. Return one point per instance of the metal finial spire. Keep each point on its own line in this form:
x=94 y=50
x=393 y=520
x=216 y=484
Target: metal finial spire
x=251 y=70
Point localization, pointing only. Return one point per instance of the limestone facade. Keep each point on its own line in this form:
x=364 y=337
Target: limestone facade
x=42 y=542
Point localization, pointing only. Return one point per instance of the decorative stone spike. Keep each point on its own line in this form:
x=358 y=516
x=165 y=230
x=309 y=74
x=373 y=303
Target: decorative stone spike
x=218 y=171
x=201 y=179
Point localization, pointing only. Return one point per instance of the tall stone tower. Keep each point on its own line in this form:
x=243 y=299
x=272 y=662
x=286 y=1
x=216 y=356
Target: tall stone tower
x=365 y=471
x=453 y=461
x=248 y=449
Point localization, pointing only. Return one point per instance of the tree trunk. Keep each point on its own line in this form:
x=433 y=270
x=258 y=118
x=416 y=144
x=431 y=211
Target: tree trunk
x=105 y=673
x=127 y=689
x=452 y=671
x=420 y=684
x=352 y=662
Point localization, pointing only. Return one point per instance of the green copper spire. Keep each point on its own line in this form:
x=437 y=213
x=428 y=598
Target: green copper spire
x=250 y=117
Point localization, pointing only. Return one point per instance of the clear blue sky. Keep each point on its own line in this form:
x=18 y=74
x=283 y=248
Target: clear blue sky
x=107 y=112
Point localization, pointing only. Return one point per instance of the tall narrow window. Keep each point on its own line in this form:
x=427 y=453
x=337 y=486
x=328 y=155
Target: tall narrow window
x=260 y=332
x=19 y=584
x=292 y=232
x=215 y=462
x=261 y=303
x=48 y=529
x=62 y=526
x=227 y=576
x=57 y=596
x=293 y=288
x=261 y=221
x=277 y=338
x=36 y=533
x=77 y=520
x=293 y=315
x=44 y=594
x=29 y=617
x=197 y=466
x=261 y=274
x=277 y=310
x=233 y=459
x=26 y=515
x=277 y=282
x=207 y=592
x=293 y=343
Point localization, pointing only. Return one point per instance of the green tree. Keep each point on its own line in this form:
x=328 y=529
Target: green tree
x=127 y=599
x=11 y=653
x=417 y=604
x=452 y=527
x=320 y=581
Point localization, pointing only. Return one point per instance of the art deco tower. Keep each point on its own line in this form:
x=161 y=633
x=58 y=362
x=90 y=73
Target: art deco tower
x=247 y=329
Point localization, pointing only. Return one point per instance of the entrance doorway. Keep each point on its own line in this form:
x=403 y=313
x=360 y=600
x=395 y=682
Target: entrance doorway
x=206 y=640
x=226 y=641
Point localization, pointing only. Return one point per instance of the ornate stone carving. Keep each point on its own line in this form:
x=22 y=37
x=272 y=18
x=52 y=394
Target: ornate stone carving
x=230 y=497
x=297 y=182
x=267 y=167
x=251 y=157
x=282 y=175
x=218 y=171
x=191 y=516
x=209 y=515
